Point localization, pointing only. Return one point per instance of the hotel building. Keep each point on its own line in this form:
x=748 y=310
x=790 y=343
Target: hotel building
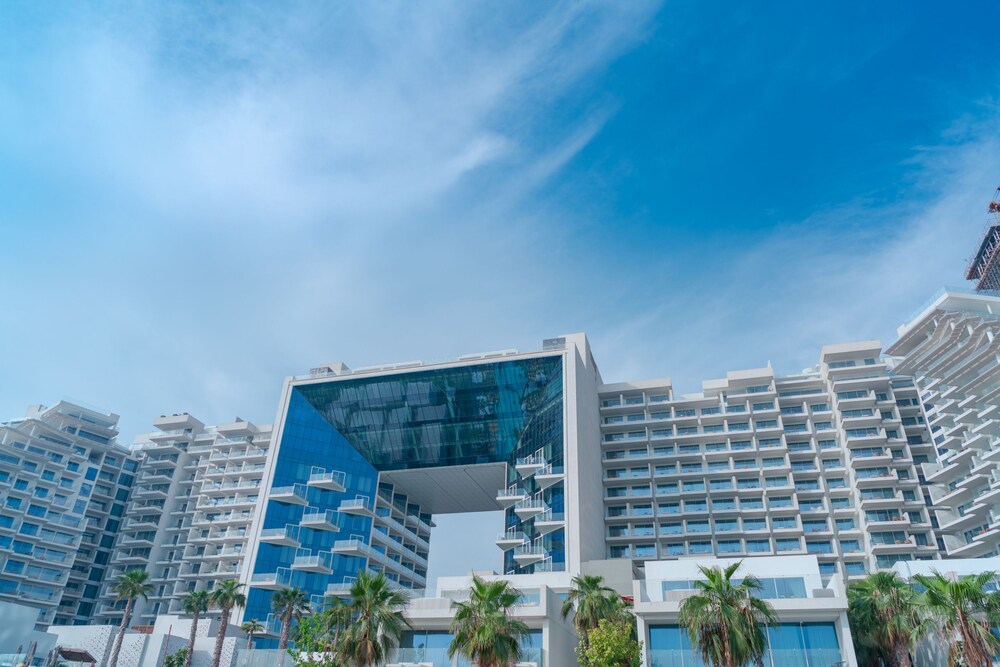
x=64 y=485
x=190 y=513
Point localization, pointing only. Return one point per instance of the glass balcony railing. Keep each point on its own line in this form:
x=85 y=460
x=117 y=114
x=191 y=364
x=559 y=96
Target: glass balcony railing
x=773 y=658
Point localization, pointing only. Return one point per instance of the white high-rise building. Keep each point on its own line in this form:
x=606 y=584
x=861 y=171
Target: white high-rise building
x=822 y=463
x=189 y=517
x=64 y=484
x=952 y=347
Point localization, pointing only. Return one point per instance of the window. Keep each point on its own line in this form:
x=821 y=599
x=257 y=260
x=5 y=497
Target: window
x=846 y=524
x=697 y=526
x=836 y=483
x=811 y=505
x=751 y=504
x=773 y=482
x=729 y=546
x=783 y=522
x=726 y=525
x=754 y=524
x=758 y=546
x=722 y=505
x=850 y=546
x=671 y=529
x=769 y=405
x=675 y=549
x=854 y=569
x=848 y=395
x=739 y=445
x=819 y=548
x=668 y=508
x=780 y=501
x=788 y=544
x=700 y=548
x=748 y=483
x=820 y=407
x=815 y=526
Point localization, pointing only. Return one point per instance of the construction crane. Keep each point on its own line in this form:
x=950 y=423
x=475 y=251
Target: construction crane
x=984 y=267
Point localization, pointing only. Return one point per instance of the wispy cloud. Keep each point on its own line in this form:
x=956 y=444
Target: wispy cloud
x=852 y=272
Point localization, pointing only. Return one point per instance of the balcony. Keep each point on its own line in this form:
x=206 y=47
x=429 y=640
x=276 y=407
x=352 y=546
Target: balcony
x=529 y=508
x=328 y=480
x=511 y=496
x=282 y=537
x=271 y=581
x=341 y=590
x=320 y=520
x=548 y=521
x=511 y=539
x=547 y=476
x=289 y=495
x=525 y=555
x=318 y=564
x=529 y=465
x=360 y=506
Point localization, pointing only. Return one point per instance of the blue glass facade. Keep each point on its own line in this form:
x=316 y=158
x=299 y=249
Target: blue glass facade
x=489 y=413
x=789 y=645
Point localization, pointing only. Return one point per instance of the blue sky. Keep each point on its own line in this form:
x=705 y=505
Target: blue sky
x=196 y=202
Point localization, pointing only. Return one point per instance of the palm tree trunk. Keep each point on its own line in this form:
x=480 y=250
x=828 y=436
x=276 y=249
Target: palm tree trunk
x=902 y=655
x=220 y=637
x=286 y=626
x=121 y=634
x=249 y=640
x=191 y=635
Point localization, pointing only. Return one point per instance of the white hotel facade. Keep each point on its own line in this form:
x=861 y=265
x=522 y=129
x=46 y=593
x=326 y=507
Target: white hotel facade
x=864 y=461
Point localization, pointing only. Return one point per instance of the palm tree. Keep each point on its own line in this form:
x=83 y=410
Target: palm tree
x=592 y=601
x=129 y=585
x=251 y=628
x=377 y=620
x=885 y=611
x=484 y=630
x=225 y=596
x=196 y=604
x=289 y=603
x=337 y=620
x=965 y=614
x=725 y=619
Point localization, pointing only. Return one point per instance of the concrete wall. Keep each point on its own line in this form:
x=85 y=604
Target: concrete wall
x=584 y=488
